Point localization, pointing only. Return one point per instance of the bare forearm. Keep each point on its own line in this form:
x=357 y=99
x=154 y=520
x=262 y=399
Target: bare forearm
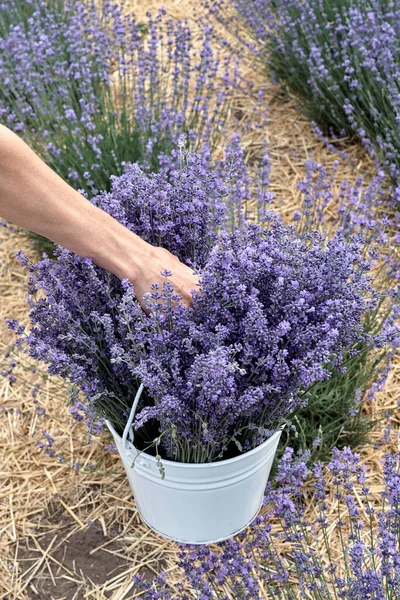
x=35 y=198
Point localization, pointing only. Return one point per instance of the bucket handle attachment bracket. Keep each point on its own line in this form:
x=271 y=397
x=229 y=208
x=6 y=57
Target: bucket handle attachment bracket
x=128 y=426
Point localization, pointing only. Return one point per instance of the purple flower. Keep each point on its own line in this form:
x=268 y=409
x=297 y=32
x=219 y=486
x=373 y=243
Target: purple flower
x=342 y=58
x=277 y=307
x=59 y=72
x=302 y=555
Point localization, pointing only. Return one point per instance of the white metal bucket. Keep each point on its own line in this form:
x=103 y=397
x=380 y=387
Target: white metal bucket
x=198 y=503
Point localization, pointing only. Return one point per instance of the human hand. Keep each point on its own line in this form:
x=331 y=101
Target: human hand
x=182 y=278
x=130 y=257
x=34 y=197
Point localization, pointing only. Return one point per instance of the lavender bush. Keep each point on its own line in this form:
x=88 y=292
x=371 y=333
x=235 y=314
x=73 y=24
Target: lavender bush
x=347 y=549
x=280 y=306
x=341 y=57
x=90 y=87
x=334 y=413
x=19 y=11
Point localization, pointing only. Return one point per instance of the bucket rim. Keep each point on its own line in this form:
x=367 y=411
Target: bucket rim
x=183 y=465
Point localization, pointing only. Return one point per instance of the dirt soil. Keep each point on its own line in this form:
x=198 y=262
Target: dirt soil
x=75 y=565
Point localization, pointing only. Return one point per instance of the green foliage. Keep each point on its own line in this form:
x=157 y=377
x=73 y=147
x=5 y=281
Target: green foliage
x=334 y=414
x=17 y=12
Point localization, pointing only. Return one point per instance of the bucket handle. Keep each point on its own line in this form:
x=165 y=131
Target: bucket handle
x=131 y=416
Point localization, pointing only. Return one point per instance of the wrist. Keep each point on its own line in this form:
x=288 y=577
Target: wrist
x=122 y=252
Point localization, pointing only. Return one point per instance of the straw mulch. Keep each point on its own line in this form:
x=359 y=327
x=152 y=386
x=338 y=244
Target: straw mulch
x=69 y=528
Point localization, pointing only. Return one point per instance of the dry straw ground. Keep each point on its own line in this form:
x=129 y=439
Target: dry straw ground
x=66 y=534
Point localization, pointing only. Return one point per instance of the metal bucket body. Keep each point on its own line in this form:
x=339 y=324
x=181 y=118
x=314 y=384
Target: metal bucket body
x=199 y=503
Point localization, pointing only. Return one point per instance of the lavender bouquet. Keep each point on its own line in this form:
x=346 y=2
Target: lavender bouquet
x=276 y=311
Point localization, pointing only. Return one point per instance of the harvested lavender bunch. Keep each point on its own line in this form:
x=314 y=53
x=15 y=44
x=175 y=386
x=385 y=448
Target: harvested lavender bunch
x=276 y=311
